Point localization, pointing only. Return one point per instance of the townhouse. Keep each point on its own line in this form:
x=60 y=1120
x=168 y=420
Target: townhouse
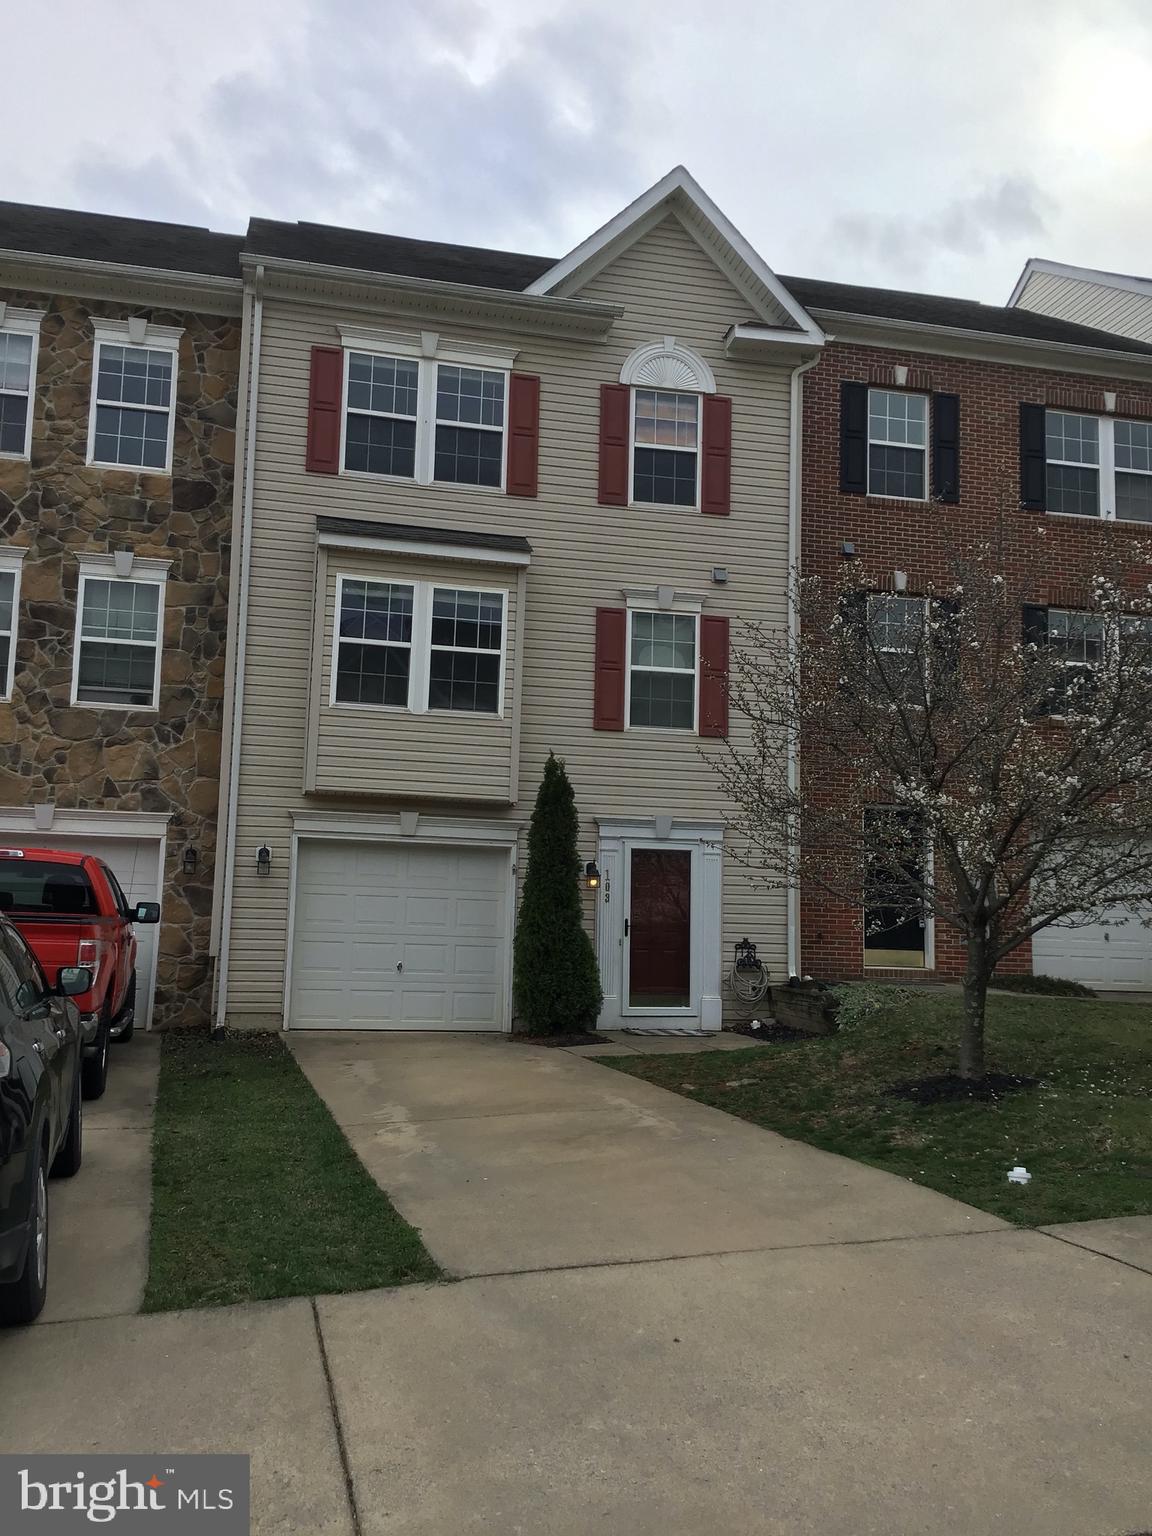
x=928 y=424
x=119 y=363
x=497 y=505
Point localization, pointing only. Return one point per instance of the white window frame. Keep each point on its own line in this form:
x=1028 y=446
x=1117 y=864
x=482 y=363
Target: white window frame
x=143 y=336
x=665 y=730
x=891 y=650
x=428 y=352
x=347 y=410
x=1105 y=468
x=884 y=442
x=23 y=322
x=420 y=667
x=671 y=506
x=140 y=573
x=11 y=563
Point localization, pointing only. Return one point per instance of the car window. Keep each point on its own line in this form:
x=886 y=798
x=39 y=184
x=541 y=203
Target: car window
x=9 y=978
x=119 y=896
x=39 y=886
x=31 y=988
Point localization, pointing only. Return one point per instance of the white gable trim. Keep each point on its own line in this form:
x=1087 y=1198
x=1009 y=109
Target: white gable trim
x=677 y=192
x=1034 y=267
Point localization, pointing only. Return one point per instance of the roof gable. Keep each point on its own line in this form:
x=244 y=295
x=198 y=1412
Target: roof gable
x=680 y=195
x=1035 y=266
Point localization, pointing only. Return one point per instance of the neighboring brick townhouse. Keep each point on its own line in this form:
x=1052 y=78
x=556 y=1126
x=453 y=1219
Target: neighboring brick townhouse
x=929 y=422
x=119 y=363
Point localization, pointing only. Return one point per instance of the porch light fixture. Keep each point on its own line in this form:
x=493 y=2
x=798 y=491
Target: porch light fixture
x=263 y=860
x=592 y=875
x=190 y=860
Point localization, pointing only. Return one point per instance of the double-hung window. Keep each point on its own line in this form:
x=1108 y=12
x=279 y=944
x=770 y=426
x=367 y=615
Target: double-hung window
x=19 y=337
x=1076 y=644
x=133 y=397
x=662 y=670
x=118 y=641
x=419 y=646
x=10 y=561
x=380 y=430
x=1098 y=467
x=420 y=419
x=896 y=652
x=665 y=448
x=897 y=444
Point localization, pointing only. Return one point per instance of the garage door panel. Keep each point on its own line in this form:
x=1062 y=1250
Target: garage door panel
x=364 y=909
x=1111 y=956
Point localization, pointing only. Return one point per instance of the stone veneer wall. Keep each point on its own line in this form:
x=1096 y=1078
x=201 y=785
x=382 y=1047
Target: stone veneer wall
x=166 y=760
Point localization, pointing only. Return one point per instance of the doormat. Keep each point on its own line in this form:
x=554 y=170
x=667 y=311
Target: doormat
x=684 y=1034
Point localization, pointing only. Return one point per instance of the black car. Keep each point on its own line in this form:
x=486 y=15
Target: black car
x=41 y=1115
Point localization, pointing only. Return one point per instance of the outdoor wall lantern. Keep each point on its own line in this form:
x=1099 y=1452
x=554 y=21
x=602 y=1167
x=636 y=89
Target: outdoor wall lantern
x=264 y=860
x=592 y=875
x=191 y=858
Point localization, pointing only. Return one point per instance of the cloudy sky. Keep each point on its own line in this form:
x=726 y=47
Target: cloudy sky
x=914 y=143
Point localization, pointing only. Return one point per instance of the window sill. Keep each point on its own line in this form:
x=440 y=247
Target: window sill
x=410 y=480
x=126 y=709
x=1099 y=517
x=403 y=709
x=130 y=469
x=16 y=458
x=901 y=501
x=663 y=506
x=662 y=730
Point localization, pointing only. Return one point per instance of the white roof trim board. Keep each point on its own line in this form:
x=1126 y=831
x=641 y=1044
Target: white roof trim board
x=678 y=192
x=1035 y=266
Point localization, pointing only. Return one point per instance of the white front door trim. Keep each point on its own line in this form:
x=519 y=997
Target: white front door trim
x=705 y=841
x=403 y=827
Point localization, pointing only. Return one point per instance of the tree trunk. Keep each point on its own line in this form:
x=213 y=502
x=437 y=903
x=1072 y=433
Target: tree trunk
x=976 y=978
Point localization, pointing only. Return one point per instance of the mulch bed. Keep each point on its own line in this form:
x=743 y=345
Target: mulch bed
x=772 y=1033
x=579 y=1038
x=951 y=1088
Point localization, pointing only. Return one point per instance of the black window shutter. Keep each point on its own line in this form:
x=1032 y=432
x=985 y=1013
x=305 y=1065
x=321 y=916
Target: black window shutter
x=854 y=616
x=854 y=438
x=1033 y=458
x=1036 y=633
x=946 y=448
x=945 y=636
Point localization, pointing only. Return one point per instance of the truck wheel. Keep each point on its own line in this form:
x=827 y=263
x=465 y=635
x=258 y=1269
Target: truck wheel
x=126 y=1031
x=71 y=1154
x=23 y=1300
x=94 y=1068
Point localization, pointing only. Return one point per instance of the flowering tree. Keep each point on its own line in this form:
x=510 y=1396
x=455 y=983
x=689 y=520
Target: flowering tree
x=966 y=755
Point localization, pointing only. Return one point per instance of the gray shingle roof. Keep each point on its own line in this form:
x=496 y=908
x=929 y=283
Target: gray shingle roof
x=418 y=533
x=129 y=242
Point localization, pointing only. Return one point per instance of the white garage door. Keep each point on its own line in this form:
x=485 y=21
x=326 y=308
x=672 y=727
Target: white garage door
x=136 y=864
x=399 y=936
x=1112 y=957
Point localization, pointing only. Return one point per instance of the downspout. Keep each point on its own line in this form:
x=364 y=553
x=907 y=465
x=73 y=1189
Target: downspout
x=236 y=716
x=795 y=444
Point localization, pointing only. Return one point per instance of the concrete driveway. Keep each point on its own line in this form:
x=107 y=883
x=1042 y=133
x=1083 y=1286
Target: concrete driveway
x=671 y=1324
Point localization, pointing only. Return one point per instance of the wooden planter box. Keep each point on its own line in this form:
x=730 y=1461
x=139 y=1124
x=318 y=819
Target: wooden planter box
x=807 y=1006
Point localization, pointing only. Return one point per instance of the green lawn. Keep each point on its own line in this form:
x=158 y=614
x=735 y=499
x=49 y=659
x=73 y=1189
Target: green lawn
x=255 y=1191
x=1084 y=1133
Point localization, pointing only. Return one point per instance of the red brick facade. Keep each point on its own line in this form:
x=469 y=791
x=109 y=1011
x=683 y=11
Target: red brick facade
x=919 y=539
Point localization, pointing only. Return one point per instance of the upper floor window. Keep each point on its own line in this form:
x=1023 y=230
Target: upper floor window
x=10 y=562
x=662 y=670
x=896 y=646
x=19 y=336
x=418 y=646
x=133 y=395
x=897 y=444
x=118 y=639
x=423 y=420
x=665 y=447
x=1098 y=467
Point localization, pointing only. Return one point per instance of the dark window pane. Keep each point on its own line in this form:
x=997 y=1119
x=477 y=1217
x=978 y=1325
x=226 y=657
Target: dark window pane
x=472 y=620
x=1134 y=497
x=1074 y=490
x=896 y=472
x=469 y=394
x=663 y=477
x=375 y=610
x=116 y=674
x=372 y=674
x=380 y=445
x=466 y=456
x=136 y=439
x=385 y=384
x=13 y=422
x=663 y=699
x=135 y=375
x=5 y=654
x=459 y=680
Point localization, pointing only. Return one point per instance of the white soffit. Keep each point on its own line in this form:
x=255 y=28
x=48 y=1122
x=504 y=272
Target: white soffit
x=680 y=194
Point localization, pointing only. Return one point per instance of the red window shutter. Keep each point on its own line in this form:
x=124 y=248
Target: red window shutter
x=713 y=675
x=611 y=660
x=615 y=404
x=325 y=391
x=523 y=434
x=716 y=457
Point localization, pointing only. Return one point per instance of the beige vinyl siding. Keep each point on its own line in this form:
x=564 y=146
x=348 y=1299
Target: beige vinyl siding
x=361 y=750
x=583 y=555
x=1096 y=304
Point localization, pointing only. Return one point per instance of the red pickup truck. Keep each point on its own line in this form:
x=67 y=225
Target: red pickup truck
x=72 y=912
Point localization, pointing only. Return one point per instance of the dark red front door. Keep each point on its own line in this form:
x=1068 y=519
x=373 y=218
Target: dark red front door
x=660 y=929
